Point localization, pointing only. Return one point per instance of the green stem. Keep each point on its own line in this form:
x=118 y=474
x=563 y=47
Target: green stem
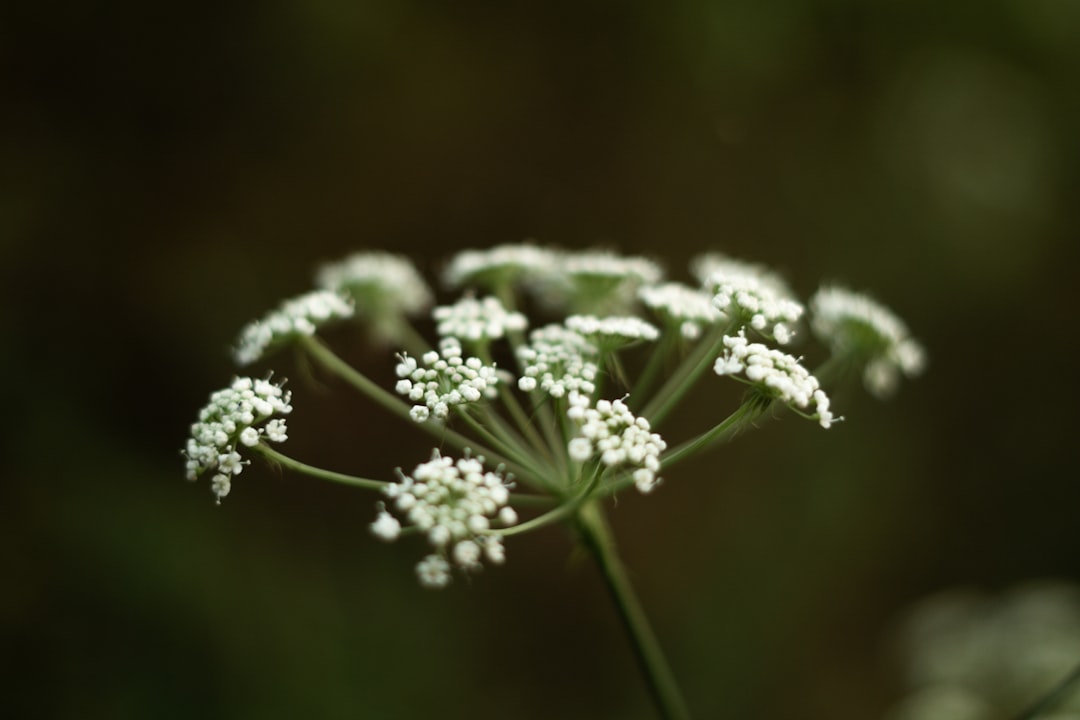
x=303 y=468
x=552 y=516
x=684 y=376
x=1052 y=698
x=746 y=413
x=658 y=675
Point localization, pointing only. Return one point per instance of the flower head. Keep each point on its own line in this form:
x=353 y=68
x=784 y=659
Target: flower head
x=477 y=321
x=854 y=323
x=499 y=267
x=444 y=379
x=777 y=374
x=690 y=309
x=385 y=288
x=612 y=433
x=238 y=416
x=558 y=360
x=753 y=298
x=454 y=503
x=298 y=317
x=613 y=330
x=595 y=282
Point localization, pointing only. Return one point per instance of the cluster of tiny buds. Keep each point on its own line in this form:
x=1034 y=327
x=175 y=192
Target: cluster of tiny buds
x=380 y=282
x=780 y=375
x=616 y=328
x=755 y=300
x=609 y=430
x=445 y=379
x=454 y=503
x=690 y=308
x=557 y=360
x=234 y=417
x=294 y=318
x=850 y=321
x=473 y=320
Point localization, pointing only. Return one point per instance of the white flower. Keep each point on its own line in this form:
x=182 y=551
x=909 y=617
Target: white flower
x=595 y=282
x=294 y=318
x=610 y=431
x=852 y=322
x=454 y=502
x=557 y=361
x=379 y=282
x=433 y=572
x=779 y=375
x=385 y=288
x=386 y=527
x=231 y=420
x=754 y=298
x=687 y=307
x=444 y=380
x=472 y=320
x=498 y=266
x=611 y=330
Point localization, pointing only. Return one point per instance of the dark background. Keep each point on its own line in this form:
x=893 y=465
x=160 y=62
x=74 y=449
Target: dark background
x=169 y=171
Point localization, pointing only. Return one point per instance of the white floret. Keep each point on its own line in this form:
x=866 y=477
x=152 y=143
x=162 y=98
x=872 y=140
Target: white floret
x=237 y=416
x=852 y=322
x=444 y=379
x=778 y=374
x=298 y=317
x=455 y=503
x=472 y=320
x=610 y=431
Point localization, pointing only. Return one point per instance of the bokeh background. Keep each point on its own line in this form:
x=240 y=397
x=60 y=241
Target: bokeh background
x=170 y=171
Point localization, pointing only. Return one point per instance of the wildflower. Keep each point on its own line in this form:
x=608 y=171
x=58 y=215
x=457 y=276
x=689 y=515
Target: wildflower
x=754 y=299
x=688 y=308
x=611 y=432
x=294 y=318
x=777 y=374
x=558 y=360
x=477 y=321
x=454 y=503
x=612 y=331
x=599 y=283
x=854 y=323
x=445 y=379
x=234 y=419
x=498 y=267
x=384 y=287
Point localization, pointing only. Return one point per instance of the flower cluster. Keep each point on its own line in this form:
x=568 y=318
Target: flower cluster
x=612 y=331
x=294 y=318
x=854 y=323
x=235 y=417
x=689 y=308
x=755 y=298
x=498 y=267
x=546 y=417
x=557 y=361
x=445 y=379
x=385 y=287
x=780 y=375
x=454 y=503
x=477 y=321
x=609 y=430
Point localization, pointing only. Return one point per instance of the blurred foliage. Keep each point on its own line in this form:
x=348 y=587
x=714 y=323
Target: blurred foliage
x=171 y=171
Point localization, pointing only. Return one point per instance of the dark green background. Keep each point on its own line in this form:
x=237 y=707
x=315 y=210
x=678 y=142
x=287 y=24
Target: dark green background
x=170 y=171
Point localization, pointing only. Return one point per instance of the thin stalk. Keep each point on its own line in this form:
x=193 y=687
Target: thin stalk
x=316 y=472
x=656 y=362
x=552 y=516
x=746 y=413
x=691 y=368
x=658 y=675
x=1052 y=698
